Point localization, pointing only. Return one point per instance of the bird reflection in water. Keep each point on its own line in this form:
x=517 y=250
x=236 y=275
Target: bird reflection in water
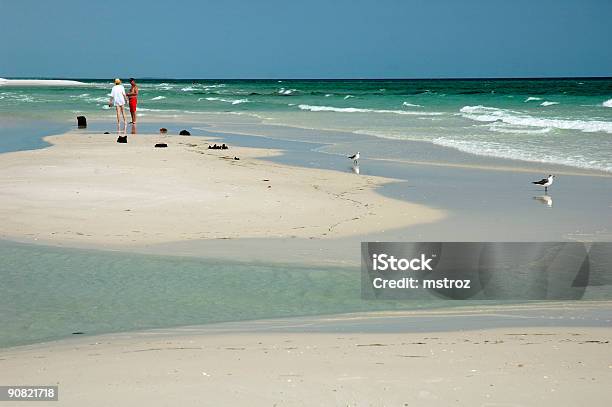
x=544 y=199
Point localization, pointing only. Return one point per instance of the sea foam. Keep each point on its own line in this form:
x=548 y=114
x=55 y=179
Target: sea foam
x=500 y=150
x=547 y=103
x=232 y=101
x=607 y=103
x=361 y=110
x=499 y=127
x=143 y=109
x=40 y=82
x=158 y=98
x=492 y=114
x=286 y=92
x=163 y=86
x=219 y=85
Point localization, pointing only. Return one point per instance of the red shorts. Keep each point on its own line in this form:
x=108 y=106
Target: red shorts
x=133 y=103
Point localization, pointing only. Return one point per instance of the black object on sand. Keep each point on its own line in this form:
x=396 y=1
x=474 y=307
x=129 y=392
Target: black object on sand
x=122 y=139
x=81 y=122
x=216 y=147
x=184 y=133
x=106 y=132
x=163 y=130
x=236 y=158
x=161 y=145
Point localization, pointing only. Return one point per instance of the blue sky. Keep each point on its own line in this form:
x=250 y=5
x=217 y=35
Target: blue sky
x=305 y=39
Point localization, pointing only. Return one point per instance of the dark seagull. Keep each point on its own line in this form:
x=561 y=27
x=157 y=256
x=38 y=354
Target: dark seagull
x=545 y=182
x=354 y=157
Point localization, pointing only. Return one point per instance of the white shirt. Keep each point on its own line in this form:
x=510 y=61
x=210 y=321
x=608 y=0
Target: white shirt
x=118 y=95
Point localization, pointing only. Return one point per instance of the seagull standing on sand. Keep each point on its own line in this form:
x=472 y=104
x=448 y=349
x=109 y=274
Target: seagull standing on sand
x=354 y=157
x=545 y=182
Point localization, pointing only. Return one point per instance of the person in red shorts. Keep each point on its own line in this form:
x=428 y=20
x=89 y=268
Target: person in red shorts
x=133 y=96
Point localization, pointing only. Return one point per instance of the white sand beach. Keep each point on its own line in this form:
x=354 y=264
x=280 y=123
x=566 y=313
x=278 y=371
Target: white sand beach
x=263 y=366
x=88 y=189
x=412 y=206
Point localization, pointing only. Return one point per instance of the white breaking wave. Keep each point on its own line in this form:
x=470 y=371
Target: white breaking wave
x=500 y=150
x=499 y=127
x=389 y=135
x=348 y=97
x=163 y=86
x=232 y=101
x=220 y=85
x=143 y=109
x=40 y=82
x=20 y=98
x=607 y=103
x=547 y=103
x=286 y=92
x=531 y=98
x=410 y=105
x=158 y=98
x=492 y=114
x=358 y=110
x=188 y=89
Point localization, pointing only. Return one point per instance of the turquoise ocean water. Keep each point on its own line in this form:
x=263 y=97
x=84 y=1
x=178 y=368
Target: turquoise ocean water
x=556 y=121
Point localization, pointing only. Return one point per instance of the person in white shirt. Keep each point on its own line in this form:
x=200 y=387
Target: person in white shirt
x=118 y=99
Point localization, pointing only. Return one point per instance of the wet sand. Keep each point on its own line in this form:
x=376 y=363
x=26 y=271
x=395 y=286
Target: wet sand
x=337 y=361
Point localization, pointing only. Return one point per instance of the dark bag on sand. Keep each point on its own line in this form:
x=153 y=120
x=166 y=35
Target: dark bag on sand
x=161 y=145
x=81 y=122
x=122 y=139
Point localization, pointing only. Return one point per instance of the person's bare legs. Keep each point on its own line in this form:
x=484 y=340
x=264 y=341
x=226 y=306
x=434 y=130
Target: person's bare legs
x=124 y=121
x=123 y=115
x=120 y=115
x=133 y=114
x=118 y=123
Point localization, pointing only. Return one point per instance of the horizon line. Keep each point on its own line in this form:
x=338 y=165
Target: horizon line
x=467 y=78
